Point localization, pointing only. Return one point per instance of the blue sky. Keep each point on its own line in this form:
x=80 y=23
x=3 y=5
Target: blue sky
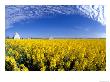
x=60 y=22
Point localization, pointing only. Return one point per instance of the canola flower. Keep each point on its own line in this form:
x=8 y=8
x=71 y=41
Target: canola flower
x=55 y=55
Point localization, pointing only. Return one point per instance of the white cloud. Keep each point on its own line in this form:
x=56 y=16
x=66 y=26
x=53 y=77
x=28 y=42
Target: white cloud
x=94 y=12
x=18 y=13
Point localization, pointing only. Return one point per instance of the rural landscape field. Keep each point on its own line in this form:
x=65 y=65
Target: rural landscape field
x=55 y=55
x=55 y=38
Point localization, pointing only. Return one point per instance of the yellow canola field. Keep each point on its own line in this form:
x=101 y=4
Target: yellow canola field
x=55 y=55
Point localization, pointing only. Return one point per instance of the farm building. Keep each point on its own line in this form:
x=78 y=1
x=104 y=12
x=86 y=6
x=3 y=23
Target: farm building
x=16 y=36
